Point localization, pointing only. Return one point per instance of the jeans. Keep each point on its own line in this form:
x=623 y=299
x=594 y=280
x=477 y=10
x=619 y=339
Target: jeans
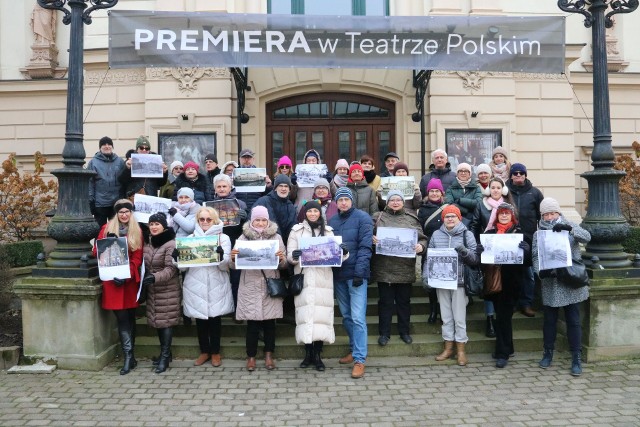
x=527 y=288
x=574 y=327
x=489 y=310
x=253 y=330
x=209 y=334
x=453 y=312
x=400 y=293
x=353 y=306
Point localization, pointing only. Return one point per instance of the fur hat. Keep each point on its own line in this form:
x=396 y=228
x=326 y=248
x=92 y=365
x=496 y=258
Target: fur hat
x=394 y=193
x=483 y=167
x=343 y=192
x=281 y=179
x=286 y=161
x=186 y=191
x=192 y=164
x=451 y=209
x=499 y=150
x=160 y=218
x=518 y=167
x=400 y=165
x=142 y=141
x=259 y=212
x=105 y=140
x=435 y=184
x=548 y=205
x=341 y=163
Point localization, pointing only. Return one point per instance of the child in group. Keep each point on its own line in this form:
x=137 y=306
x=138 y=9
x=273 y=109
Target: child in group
x=499 y=164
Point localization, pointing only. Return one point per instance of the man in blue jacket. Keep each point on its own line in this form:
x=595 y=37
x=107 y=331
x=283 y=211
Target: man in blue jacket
x=350 y=280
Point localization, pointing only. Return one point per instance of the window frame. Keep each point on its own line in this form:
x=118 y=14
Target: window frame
x=358 y=7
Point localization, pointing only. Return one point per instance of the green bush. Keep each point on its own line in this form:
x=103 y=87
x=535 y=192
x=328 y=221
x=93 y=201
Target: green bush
x=22 y=254
x=631 y=244
x=6 y=279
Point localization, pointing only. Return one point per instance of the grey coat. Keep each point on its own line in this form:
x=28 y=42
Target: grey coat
x=555 y=293
x=364 y=197
x=104 y=187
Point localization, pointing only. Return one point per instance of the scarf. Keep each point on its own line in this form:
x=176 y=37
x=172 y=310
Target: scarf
x=184 y=208
x=260 y=231
x=316 y=225
x=483 y=185
x=370 y=175
x=465 y=182
x=503 y=228
x=324 y=200
x=340 y=180
x=123 y=230
x=501 y=170
x=494 y=210
x=548 y=225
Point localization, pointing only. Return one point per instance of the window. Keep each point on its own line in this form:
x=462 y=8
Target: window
x=326 y=7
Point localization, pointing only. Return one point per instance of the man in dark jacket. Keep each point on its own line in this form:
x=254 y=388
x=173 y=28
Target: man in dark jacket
x=390 y=161
x=350 y=280
x=281 y=210
x=104 y=187
x=211 y=164
x=527 y=199
x=249 y=198
x=148 y=186
x=441 y=169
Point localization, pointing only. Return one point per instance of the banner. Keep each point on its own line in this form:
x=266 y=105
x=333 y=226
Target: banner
x=454 y=43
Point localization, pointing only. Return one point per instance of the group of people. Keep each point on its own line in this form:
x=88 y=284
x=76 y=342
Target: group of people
x=449 y=210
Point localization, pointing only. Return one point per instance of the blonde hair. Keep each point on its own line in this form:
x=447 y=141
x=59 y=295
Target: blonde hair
x=134 y=233
x=212 y=212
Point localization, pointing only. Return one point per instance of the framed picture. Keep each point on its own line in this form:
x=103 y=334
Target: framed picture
x=472 y=146
x=186 y=147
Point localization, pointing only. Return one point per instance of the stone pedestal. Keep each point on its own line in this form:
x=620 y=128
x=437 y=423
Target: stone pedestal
x=611 y=326
x=43 y=63
x=62 y=320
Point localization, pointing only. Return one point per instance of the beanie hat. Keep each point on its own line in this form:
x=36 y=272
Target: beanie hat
x=105 y=140
x=341 y=163
x=499 y=150
x=394 y=193
x=400 y=165
x=549 y=205
x=343 y=192
x=313 y=204
x=191 y=164
x=451 y=209
x=281 y=179
x=174 y=164
x=464 y=166
x=435 y=184
x=518 y=167
x=259 y=212
x=285 y=161
x=483 y=167
x=222 y=177
x=211 y=157
x=312 y=153
x=354 y=167
x=160 y=218
x=186 y=191
x=507 y=206
x=142 y=141
x=321 y=182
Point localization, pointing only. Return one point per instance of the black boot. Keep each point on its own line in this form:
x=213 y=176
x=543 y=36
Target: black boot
x=127 y=350
x=165 y=335
x=317 y=350
x=491 y=329
x=308 y=356
x=156 y=359
x=433 y=307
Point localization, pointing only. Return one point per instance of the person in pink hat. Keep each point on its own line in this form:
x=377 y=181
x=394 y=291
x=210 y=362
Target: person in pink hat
x=285 y=167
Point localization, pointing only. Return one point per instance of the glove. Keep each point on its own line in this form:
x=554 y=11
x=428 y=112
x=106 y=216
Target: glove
x=173 y=211
x=328 y=177
x=111 y=235
x=296 y=254
x=175 y=254
x=242 y=214
x=479 y=248
x=357 y=281
x=118 y=282
x=544 y=274
x=220 y=251
x=345 y=249
x=560 y=226
x=461 y=250
x=524 y=246
x=92 y=207
x=149 y=280
x=294 y=179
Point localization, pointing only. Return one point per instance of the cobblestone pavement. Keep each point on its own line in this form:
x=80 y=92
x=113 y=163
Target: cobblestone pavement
x=394 y=392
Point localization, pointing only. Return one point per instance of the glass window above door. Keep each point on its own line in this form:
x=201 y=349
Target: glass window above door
x=330 y=109
x=329 y=7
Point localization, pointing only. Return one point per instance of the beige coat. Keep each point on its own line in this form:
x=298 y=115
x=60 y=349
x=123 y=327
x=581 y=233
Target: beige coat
x=163 y=297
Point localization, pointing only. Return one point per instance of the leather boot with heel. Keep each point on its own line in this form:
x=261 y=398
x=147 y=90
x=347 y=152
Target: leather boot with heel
x=433 y=307
x=165 y=335
x=308 y=356
x=126 y=342
x=462 y=356
x=317 y=350
x=490 y=331
x=447 y=352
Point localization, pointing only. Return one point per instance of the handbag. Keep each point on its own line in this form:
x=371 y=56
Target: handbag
x=492 y=279
x=296 y=283
x=473 y=277
x=575 y=276
x=275 y=286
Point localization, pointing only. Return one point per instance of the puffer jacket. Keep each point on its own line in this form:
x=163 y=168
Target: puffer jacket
x=206 y=291
x=163 y=297
x=233 y=231
x=446 y=175
x=253 y=301
x=443 y=238
x=390 y=269
x=281 y=211
x=314 y=305
x=105 y=188
x=554 y=292
x=466 y=199
x=185 y=222
x=201 y=186
x=364 y=197
x=527 y=200
x=356 y=229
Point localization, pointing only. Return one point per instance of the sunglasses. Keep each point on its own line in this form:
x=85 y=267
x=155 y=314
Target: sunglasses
x=518 y=173
x=285 y=167
x=207 y=220
x=144 y=148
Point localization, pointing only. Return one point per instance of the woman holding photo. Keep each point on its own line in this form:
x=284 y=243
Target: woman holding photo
x=254 y=304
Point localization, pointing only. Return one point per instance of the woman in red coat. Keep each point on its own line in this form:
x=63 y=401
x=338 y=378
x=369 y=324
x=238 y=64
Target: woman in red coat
x=120 y=295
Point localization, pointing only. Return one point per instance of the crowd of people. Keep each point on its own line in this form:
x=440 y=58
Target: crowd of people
x=448 y=210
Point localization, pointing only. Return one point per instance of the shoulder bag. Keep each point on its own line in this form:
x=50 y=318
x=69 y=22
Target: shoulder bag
x=575 y=276
x=473 y=277
x=296 y=283
x=275 y=286
x=492 y=279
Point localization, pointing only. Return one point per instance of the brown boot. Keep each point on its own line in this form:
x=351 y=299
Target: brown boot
x=269 y=363
x=201 y=359
x=346 y=359
x=462 y=357
x=447 y=352
x=216 y=360
x=358 y=370
x=251 y=364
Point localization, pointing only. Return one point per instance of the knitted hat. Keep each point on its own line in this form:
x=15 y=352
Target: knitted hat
x=499 y=150
x=259 y=212
x=341 y=163
x=211 y=157
x=548 y=205
x=313 y=204
x=506 y=206
x=321 y=182
x=464 y=166
x=142 y=141
x=451 y=209
x=174 y=164
x=160 y=218
x=286 y=161
x=186 y=191
x=483 y=167
x=400 y=165
x=191 y=164
x=343 y=192
x=435 y=184
x=354 y=167
x=281 y=179
x=105 y=140
x=394 y=193
x=222 y=177
x=391 y=154
x=518 y=167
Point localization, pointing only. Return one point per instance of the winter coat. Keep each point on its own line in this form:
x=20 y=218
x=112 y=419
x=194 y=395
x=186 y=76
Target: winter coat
x=116 y=297
x=512 y=274
x=104 y=187
x=206 y=291
x=390 y=269
x=163 y=296
x=212 y=174
x=356 y=229
x=554 y=292
x=293 y=189
x=281 y=211
x=201 y=186
x=314 y=305
x=372 y=179
x=132 y=186
x=364 y=197
x=184 y=225
x=527 y=200
x=466 y=199
x=250 y=198
x=233 y=231
x=168 y=190
x=329 y=209
x=426 y=210
x=480 y=219
x=253 y=301
x=446 y=175
x=444 y=238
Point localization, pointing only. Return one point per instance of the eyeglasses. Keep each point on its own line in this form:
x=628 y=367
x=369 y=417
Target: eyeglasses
x=518 y=173
x=207 y=220
x=144 y=148
x=464 y=171
x=127 y=212
x=178 y=167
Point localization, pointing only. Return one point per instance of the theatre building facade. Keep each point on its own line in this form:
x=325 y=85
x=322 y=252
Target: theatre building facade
x=543 y=120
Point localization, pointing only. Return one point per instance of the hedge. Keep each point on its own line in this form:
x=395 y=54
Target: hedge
x=22 y=254
x=631 y=244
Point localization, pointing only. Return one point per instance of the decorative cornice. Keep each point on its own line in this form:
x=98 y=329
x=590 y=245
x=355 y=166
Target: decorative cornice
x=125 y=77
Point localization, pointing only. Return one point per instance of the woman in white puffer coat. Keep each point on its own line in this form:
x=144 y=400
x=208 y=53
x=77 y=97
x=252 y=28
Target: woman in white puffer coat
x=206 y=290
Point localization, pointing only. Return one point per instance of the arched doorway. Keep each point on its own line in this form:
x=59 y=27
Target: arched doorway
x=337 y=125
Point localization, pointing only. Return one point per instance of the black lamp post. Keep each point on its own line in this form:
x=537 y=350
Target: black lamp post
x=604 y=219
x=73 y=226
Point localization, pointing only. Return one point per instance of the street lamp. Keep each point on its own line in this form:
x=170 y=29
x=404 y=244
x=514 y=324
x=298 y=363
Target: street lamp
x=73 y=226
x=604 y=219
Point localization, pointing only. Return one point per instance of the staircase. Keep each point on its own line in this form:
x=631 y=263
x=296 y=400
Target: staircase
x=427 y=339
